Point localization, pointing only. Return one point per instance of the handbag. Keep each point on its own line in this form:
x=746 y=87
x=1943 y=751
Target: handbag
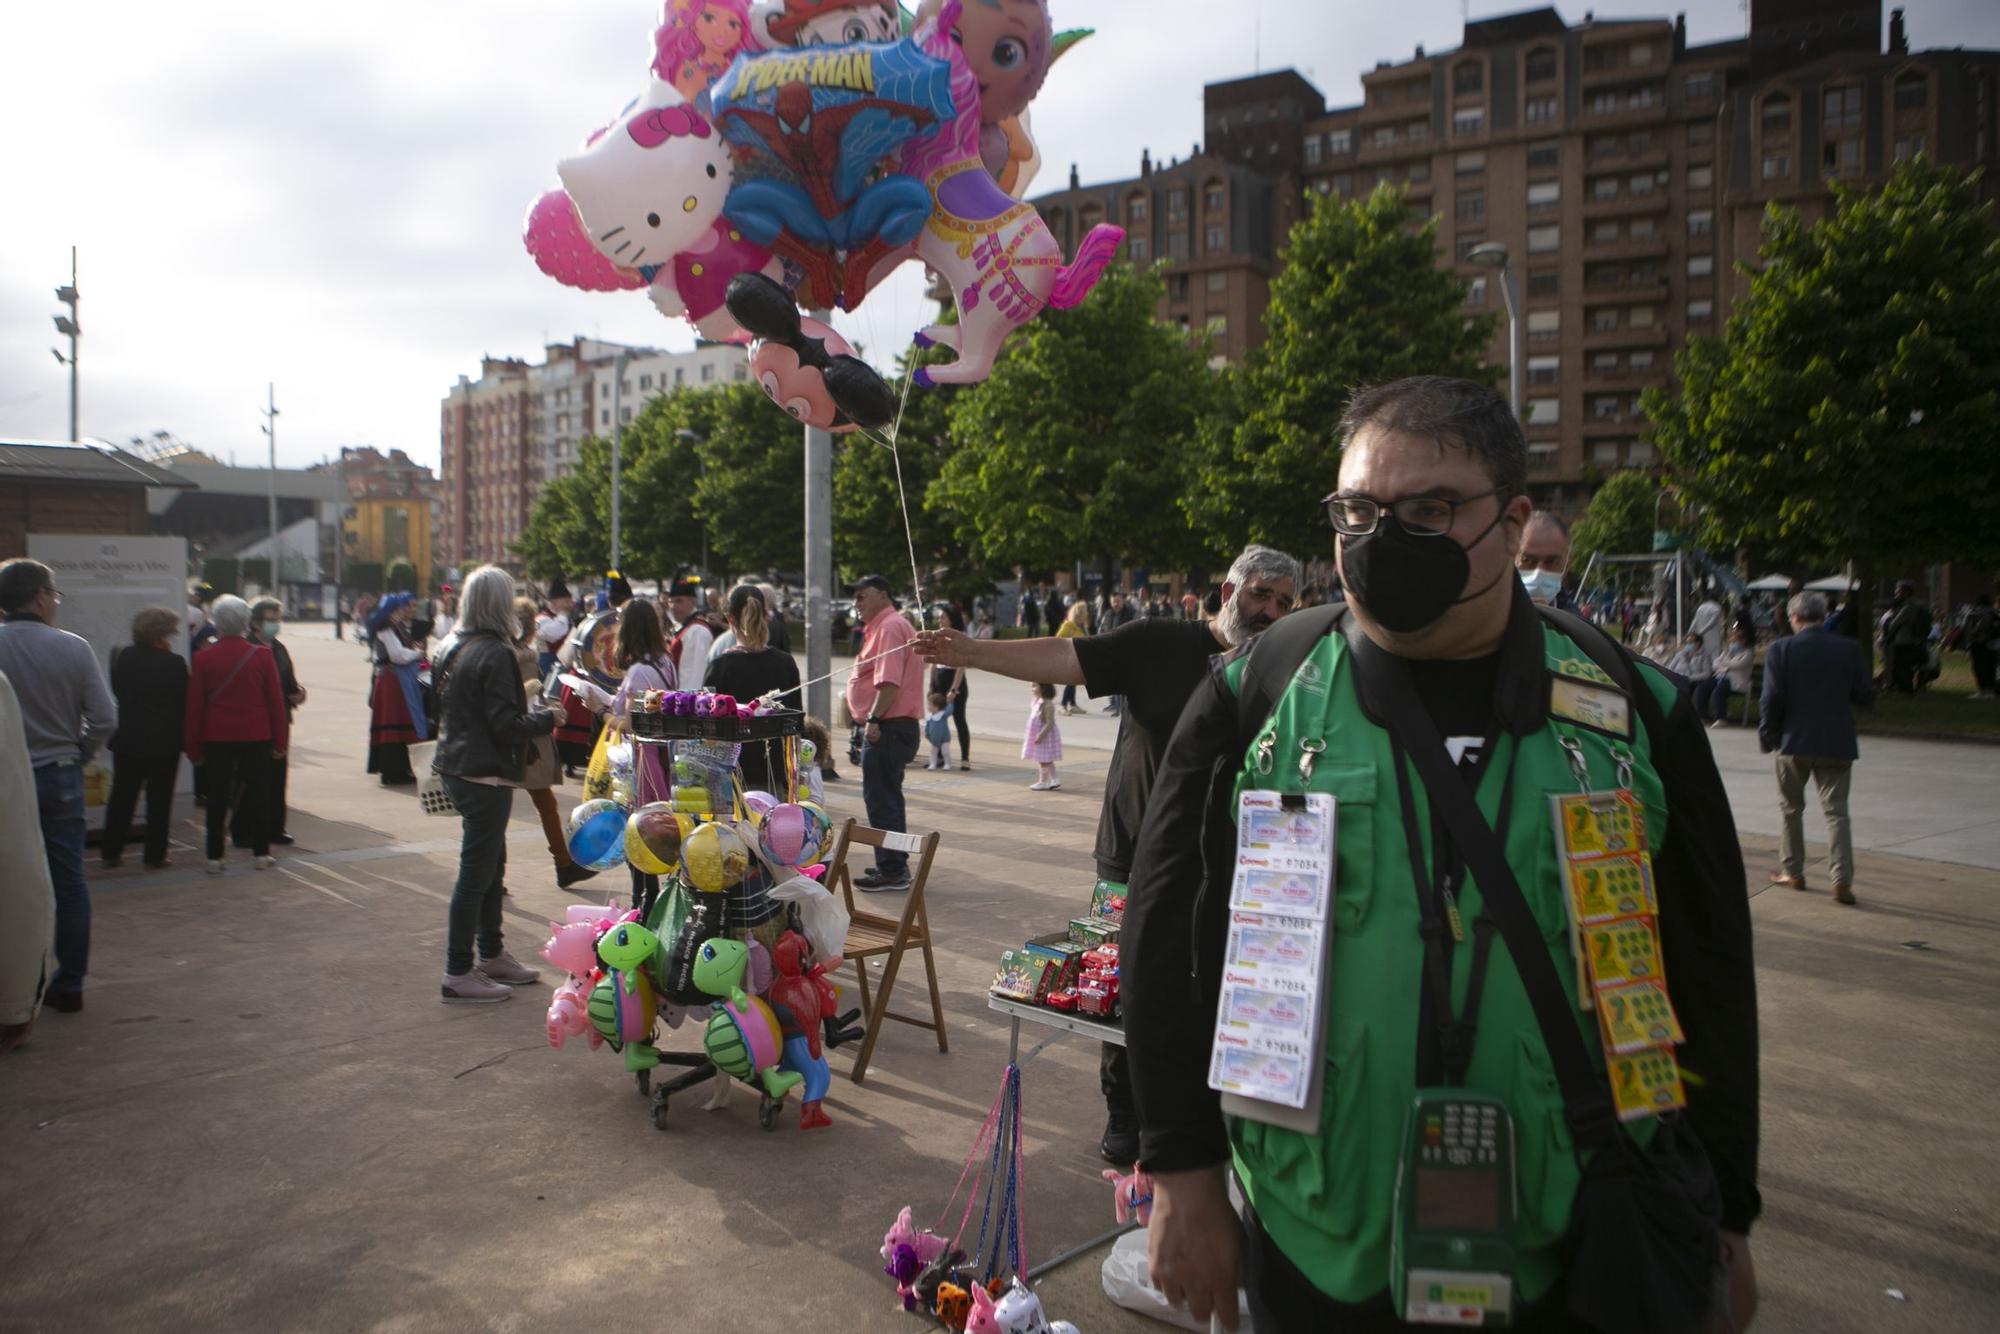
x=1643 y=1254
x=430 y=786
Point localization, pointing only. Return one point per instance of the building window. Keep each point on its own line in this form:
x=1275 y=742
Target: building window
x=1137 y=207
x=1544 y=326
x=680 y=375
x=1701 y=178
x=1468 y=76
x=1385 y=136
x=1640 y=317
x=1177 y=245
x=1842 y=158
x=1909 y=148
x=1177 y=203
x=645 y=383
x=1544 y=154
x=1544 y=370
x=1340 y=142
x=1604 y=319
x=1777 y=114
x=1467 y=164
x=740 y=372
x=1468 y=123
x=1343 y=185
x=1638 y=453
x=1475 y=292
x=1699 y=87
x=1471 y=208
x=624 y=415
x=1641 y=360
x=1540 y=66
x=1605 y=453
x=1177 y=287
x=1701 y=266
x=604 y=416
x=1314 y=146
x=1840 y=108
x=1418 y=90
x=1640 y=53
x=1218 y=326
x=1543 y=411
x=1135 y=246
x=1701 y=222
x=1607 y=407
x=1217 y=283
x=1912 y=92
x=1420 y=171
x=1604 y=363
x=1541 y=109
x=1604 y=102
x=1641 y=184
x=1604 y=187
x=1465 y=245
x=1603 y=233
x=1777 y=165
x=1545 y=197
x=1699 y=312
x=1543 y=283
x=1211 y=196
x=1639 y=142
x=1215 y=240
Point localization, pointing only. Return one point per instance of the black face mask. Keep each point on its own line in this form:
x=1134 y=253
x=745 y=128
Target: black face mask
x=1406 y=582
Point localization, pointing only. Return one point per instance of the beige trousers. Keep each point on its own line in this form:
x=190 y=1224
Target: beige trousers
x=1830 y=778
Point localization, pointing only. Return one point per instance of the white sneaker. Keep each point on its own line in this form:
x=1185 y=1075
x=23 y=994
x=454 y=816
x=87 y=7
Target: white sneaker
x=213 y=866
x=1039 y=786
x=266 y=862
x=473 y=989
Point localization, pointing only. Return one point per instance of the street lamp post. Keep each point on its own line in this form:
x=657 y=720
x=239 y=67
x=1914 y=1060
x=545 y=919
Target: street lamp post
x=72 y=325
x=271 y=435
x=1493 y=255
x=819 y=566
x=617 y=449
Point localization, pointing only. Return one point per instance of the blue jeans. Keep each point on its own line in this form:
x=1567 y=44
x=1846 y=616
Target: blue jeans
x=482 y=871
x=59 y=793
x=882 y=786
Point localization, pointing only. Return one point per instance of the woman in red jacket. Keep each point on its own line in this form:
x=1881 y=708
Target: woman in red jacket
x=236 y=726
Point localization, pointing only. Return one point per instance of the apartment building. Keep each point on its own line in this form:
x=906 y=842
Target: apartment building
x=520 y=425
x=1624 y=171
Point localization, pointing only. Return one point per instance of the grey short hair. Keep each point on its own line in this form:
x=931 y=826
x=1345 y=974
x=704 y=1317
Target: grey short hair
x=264 y=606
x=231 y=615
x=1807 y=606
x=1549 y=516
x=1450 y=411
x=1261 y=561
x=488 y=603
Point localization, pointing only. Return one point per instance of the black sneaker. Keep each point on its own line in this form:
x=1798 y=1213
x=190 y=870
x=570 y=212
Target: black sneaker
x=1120 y=1145
x=877 y=882
x=572 y=874
x=283 y=840
x=65 y=1002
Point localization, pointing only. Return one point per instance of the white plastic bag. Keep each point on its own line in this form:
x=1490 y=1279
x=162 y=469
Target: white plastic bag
x=820 y=913
x=1127 y=1283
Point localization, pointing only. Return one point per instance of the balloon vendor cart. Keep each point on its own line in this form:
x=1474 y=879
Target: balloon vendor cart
x=730 y=927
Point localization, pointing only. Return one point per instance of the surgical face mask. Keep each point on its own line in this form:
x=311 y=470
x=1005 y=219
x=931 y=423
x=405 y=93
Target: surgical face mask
x=268 y=629
x=1408 y=582
x=1542 y=585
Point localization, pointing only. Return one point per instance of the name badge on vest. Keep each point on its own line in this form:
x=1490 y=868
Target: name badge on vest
x=1600 y=707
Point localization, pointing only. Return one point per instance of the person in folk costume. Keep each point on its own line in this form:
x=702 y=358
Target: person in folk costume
x=552 y=628
x=396 y=700
x=693 y=631
x=577 y=717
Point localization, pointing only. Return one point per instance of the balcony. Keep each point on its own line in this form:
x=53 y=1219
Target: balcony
x=1625 y=205
x=1605 y=340
x=1621 y=159
x=1621 y=293
x=1623 y=379
x=1626 y=247
x=1625 y=115
x=1618 y=424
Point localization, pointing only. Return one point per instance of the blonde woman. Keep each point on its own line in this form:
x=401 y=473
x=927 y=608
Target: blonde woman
x=1076 y=625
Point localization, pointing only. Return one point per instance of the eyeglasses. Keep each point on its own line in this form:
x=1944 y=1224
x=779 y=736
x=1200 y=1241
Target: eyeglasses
x=55 y=593
x=1556 y=562
x=1423 y=516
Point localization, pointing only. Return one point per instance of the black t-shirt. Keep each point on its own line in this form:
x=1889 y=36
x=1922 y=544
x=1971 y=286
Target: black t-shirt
x=750 y=674
x=1458 y=695
x=1155 y=665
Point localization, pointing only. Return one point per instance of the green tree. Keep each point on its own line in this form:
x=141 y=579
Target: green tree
x=402 y=576
x=1619 y=519
x=1075 y=445
x=868 y=509
x=1361 y=299
x=1850 y=409
x=749 y=487
x=569 y=529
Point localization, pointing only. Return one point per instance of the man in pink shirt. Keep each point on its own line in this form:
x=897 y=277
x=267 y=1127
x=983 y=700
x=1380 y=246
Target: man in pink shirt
x=885 y=693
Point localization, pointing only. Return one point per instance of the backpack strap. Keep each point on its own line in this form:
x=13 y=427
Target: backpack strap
x=1614 y=661
x=1274 y=656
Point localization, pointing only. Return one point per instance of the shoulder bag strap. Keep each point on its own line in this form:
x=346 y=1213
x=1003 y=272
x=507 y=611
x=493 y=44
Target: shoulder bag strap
x=1586 y=1097
x=1275 y=656
x=223 y=684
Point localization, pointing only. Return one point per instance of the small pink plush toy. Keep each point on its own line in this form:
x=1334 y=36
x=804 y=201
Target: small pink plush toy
x=903 y=1232
x=1131 y=1196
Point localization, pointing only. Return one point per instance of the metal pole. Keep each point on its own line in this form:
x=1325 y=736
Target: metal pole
x=271 y=436
x=617 y=447
x=76 y=330
x=819 y=567
x=340 y=527
x=1513 y=338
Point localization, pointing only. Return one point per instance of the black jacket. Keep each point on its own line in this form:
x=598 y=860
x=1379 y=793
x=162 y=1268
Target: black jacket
x=150 y=685
x=288 y=681
x=1176 y=918
x=483 y=721
x=1812 y=680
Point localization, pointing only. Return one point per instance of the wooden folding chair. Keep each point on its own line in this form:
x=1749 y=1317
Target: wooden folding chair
x=870 y=934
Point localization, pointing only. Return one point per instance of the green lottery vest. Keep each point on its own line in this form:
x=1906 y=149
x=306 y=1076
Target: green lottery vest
x=1327 y=1200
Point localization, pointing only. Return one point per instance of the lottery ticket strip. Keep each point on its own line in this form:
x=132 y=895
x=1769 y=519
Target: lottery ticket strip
x=1016 y=1012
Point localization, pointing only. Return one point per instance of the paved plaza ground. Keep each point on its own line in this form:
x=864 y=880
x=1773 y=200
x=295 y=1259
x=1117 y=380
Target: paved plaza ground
x=265 y=1120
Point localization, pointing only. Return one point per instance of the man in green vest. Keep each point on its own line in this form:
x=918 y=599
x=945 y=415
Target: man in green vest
x=1417 y=993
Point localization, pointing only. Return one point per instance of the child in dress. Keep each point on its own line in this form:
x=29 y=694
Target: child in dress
x=1043 y=743
x=937 y=729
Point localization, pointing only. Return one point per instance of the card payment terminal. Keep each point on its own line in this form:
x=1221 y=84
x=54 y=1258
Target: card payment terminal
x=1452 y=1250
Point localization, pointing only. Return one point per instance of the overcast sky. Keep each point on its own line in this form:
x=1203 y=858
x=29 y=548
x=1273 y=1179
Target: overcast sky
x=329 y=196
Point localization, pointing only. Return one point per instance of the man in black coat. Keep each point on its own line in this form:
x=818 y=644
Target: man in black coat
x=266 y=619
x=1812 y=681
